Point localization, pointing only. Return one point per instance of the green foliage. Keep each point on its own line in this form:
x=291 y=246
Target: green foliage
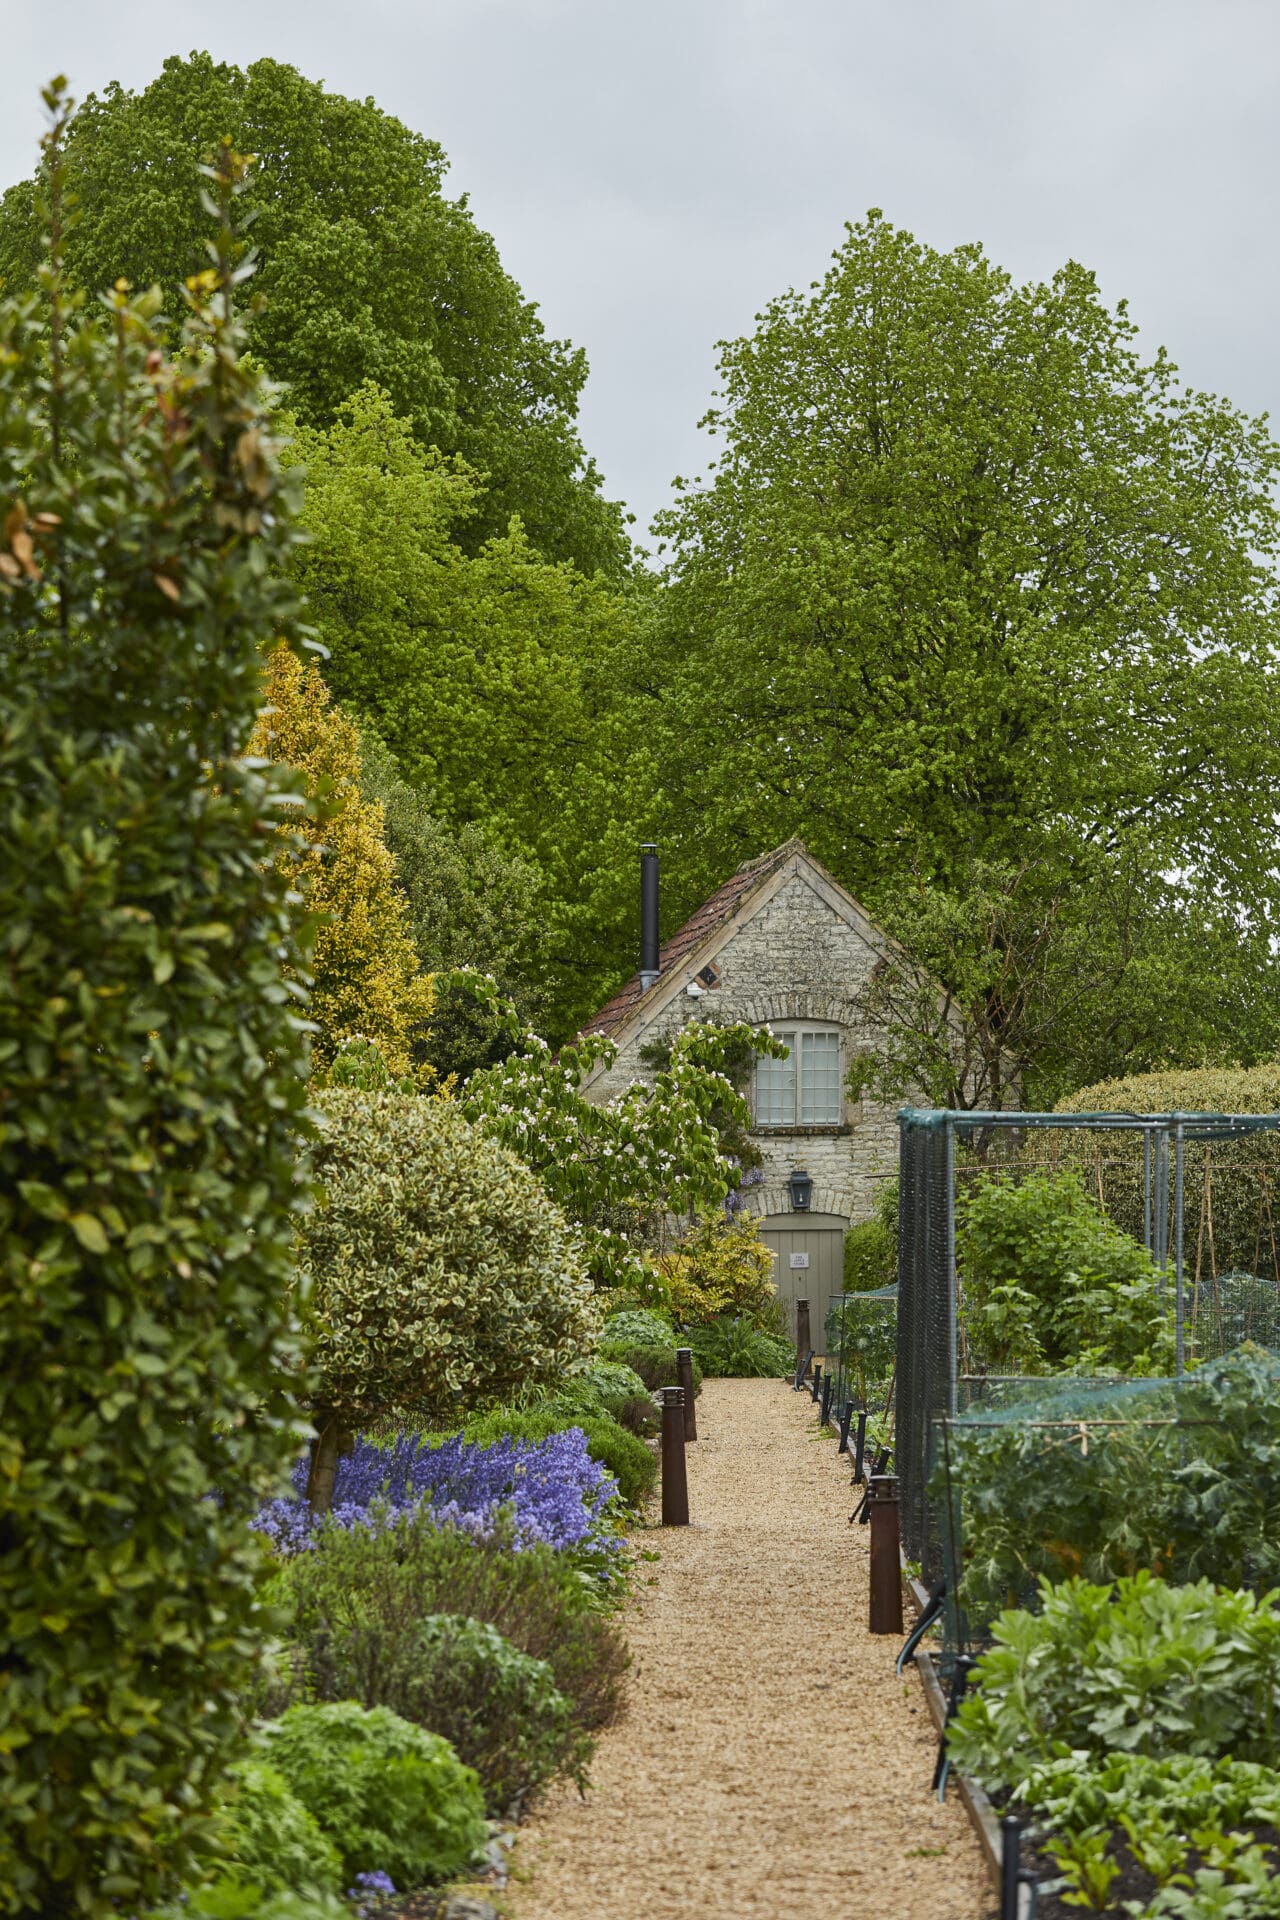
x=1183 y=1481
x=1228 y=1222
x=1049 y=1282
x=1135 y=1667
x=958 y=540
x=624 y=1454
x=1159 y=1805
x=487 y=674
x=1121 y=1711
x=439 y=1265
x=719 y=1267
x=621 y=1167
x=390 y=1796
x=372 y=1592
x=358 y=1064
x=871 y=1248
x=637 y=1327
x=732 y=1348
x=471 y=904
x=498 y=1708
x=656 y=1366
x=608 y=1383
x=862 y=1334
x=369 y=273
x=276 y=1844
x=153 y=1074
x=225 y=1900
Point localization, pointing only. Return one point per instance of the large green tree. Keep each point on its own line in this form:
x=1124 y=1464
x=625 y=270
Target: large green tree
x=974 y=588
x=490 y=675
x=368 y=272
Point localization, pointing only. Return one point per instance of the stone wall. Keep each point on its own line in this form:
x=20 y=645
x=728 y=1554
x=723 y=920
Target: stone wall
x=801 y=955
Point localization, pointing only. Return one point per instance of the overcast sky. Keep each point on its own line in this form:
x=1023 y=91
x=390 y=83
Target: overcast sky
x=654 y=171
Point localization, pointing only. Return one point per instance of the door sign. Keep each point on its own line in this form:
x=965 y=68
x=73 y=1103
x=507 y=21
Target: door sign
x=799 y=1260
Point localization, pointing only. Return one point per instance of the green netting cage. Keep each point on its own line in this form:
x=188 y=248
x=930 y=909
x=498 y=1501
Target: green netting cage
x=1184 y=1206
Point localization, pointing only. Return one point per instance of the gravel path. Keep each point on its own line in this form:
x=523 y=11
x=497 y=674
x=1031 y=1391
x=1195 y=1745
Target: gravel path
x=768 y=1763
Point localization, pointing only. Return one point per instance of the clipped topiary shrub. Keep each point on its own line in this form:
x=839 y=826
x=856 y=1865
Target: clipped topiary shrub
x=389 y=1795
x=441 y=1270
x=153 y=1079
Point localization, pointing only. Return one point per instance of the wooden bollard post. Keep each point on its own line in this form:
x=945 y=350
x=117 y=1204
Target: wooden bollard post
x=675 y=1485
x=804 y=1338
x=886 y=1566
x=684 y=1380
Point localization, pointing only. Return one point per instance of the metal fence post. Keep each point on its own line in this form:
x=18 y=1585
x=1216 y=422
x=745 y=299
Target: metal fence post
x=817 y=1380
x=1010 y=1862
x=886 y=1566
x=684 y=1379
x=1180 y=1364
x=675 y=1484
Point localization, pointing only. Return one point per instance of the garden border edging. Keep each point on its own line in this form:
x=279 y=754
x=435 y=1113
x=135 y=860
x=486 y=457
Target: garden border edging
x=981 y=1813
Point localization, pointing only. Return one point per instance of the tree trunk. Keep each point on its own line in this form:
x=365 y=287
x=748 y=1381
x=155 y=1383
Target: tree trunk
x=324 y=1460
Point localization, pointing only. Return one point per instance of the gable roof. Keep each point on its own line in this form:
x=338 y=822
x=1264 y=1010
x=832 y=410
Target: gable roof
x=701 y=929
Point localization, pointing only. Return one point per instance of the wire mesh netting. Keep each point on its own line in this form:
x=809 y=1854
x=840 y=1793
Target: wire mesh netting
x=1104 y=1478
x=1032 y=1245
x=861 y=1348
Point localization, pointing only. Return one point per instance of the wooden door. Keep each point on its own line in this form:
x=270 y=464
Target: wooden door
x=808 y=1264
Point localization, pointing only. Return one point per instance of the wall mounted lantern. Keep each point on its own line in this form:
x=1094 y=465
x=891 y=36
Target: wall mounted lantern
x=801 y=1185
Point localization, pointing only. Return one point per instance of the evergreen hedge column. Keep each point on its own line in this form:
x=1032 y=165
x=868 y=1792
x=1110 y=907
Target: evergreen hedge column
x=152 y=1056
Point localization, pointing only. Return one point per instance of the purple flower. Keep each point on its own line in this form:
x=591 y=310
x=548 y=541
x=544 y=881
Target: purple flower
x=548 y=1491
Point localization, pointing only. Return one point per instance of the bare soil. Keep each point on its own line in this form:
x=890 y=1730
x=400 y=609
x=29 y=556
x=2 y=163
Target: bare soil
x=767 y=1762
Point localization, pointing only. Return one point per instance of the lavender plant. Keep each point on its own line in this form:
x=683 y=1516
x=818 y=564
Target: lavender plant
x=549 y=1492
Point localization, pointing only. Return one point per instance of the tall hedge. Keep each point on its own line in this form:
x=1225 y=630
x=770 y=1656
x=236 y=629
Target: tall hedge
x=443 y=1277
x=1232 y=1207
x=151 y=1088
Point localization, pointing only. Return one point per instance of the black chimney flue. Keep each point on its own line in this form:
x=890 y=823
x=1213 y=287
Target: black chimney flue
x=648 y=915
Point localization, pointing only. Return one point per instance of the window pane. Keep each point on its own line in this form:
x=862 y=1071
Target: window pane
x=776 y=1087
x=820 y=1079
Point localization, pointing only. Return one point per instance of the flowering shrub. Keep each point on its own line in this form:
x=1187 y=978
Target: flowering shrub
x=617 y=1169
x=440 y=1269
x=551 y=1490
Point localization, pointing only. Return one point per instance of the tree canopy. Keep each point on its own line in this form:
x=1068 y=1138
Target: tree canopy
x=973 y=585
x=369 y=272
x=488 y=675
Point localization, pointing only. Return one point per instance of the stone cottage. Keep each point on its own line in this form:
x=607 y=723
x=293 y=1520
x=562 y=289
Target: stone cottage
x=780 y=943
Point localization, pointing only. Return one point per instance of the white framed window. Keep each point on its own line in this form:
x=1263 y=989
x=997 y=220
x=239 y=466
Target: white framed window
x=804 y=1089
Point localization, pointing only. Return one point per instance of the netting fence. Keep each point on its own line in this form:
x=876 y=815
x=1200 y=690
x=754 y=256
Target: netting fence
x=1181 y=1210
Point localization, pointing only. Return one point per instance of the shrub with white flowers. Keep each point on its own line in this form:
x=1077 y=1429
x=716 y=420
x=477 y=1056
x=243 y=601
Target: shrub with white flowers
x=621 y=1168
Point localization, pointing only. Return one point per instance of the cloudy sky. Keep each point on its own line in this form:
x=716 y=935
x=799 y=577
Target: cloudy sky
x=655 y=171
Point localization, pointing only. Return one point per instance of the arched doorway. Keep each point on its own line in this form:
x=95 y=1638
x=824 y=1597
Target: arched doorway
x=808 y=1264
